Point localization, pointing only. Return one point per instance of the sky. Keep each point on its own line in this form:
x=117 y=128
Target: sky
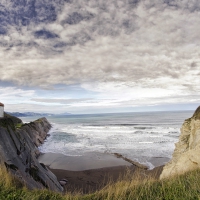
x=99 y=56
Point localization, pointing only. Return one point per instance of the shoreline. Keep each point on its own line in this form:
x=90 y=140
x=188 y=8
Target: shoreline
x=92 y=172
x=95 y=160
x=92 y=160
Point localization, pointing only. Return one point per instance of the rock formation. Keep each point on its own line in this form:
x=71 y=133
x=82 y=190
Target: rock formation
x=18 y=152
x=186 y=156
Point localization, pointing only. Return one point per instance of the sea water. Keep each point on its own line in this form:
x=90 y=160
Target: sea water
x=137 y=136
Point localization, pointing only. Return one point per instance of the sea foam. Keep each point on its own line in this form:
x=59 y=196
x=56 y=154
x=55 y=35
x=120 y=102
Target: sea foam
x=137 y=136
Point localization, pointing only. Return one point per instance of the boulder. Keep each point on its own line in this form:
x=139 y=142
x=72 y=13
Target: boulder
x=19 y=152
x=186 y=154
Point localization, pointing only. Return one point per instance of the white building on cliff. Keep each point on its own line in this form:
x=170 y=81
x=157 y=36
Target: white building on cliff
x=1 y=110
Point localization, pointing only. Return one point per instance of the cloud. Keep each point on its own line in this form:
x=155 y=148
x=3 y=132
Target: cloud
x=11 y=95
x=61 y=101
x=133 y=45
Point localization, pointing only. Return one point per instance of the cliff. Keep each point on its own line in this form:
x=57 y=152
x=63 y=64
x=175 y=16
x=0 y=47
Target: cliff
x=18 y=152
x=186 y=154
x=14 y=119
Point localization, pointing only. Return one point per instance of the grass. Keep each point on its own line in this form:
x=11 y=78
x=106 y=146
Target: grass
x=18 y=125
x=12 y=189
x=184 y=187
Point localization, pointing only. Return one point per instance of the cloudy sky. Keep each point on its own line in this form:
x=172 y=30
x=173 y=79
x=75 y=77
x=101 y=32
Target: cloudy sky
x=95 y=56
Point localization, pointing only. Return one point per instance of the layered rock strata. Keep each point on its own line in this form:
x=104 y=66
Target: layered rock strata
x=18 y=152
x=186 y=155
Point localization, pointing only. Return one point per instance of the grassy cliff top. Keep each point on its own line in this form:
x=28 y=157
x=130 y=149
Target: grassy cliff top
x=10 y=121
x=182 y=187
x=14 y=119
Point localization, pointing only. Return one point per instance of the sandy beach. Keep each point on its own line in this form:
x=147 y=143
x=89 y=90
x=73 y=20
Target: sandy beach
x=91 y=160
x=93 y=171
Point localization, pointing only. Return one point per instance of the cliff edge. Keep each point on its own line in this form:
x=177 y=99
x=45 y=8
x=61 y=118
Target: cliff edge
x=18 y=152
x=186 y=154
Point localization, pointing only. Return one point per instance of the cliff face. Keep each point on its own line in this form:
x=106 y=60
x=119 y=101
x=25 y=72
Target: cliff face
x=18 y=151
x=186 y=154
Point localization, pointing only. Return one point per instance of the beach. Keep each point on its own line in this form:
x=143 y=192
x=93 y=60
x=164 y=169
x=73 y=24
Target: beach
x=92 y=172
x=91 y=151
x=137 y=136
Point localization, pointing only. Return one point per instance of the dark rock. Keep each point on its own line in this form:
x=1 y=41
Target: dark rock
x=14 y=119
x=62 y=182
x=18 y=151
x=65 y=180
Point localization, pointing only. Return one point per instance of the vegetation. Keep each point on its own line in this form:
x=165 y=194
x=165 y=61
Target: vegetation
x=10 y=121
x=6 y=123
x=182 y=187
x=12 y=189
x=19 y=125
x=14 y=119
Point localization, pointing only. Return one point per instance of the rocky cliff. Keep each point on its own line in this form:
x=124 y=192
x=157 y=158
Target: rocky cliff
x=18 y=152
x=186 y=155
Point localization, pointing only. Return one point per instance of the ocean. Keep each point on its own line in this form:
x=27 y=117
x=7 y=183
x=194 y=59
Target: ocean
x=137 y=136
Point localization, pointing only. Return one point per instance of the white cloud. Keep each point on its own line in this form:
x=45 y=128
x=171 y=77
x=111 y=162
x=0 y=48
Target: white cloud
x=126 y=50
x=7 y=92
x=60 y=101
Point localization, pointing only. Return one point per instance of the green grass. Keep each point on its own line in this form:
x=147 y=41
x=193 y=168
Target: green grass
x=184 y=187
x=19 y=125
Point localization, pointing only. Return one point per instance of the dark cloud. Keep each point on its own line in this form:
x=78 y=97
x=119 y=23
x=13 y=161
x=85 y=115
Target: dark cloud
x=179 y=4
x=24 y=12
x=75 y=18
x=3 y=31
x=133 y=2
x=194 y=65
x=44 y=34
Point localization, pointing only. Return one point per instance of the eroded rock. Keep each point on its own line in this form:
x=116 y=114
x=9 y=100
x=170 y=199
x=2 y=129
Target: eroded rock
x=186 y=154
x=18 y=151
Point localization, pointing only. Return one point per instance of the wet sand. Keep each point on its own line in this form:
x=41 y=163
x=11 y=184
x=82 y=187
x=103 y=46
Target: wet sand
x=89 y=181
x=94 y=171
x=79 y=163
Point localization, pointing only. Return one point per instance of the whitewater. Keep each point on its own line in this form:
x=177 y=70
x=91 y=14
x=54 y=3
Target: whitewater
x=142 y=137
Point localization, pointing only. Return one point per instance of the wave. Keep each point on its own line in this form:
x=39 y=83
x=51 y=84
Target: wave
x=128 y=124
x=133 y=140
